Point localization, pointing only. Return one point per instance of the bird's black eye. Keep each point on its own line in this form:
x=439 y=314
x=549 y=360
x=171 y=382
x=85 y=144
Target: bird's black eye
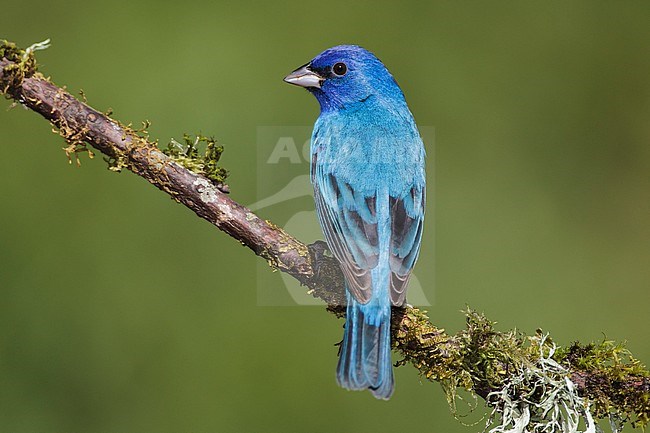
x=340 y=69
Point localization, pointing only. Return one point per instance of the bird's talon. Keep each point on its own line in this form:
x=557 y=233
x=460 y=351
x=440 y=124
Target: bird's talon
x=317 y=250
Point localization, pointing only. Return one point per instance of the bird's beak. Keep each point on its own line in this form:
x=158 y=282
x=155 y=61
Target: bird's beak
x=304 y=77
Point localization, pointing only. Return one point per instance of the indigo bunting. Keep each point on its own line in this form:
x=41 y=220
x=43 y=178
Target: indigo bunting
x=367 y=170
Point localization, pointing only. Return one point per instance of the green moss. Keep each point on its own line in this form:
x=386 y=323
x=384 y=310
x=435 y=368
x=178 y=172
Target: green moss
x=23 y=66
x=139 y=138
x=525 y=379
x=489 y=356
x=189 y=155
x=76 y=147
x=610 y=369
x=437 y=356
x=608 y=356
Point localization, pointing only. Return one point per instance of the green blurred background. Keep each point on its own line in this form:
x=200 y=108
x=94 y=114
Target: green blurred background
x=121 y=311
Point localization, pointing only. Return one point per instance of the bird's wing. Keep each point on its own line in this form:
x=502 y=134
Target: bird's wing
x=407 y=217
x=349 y=223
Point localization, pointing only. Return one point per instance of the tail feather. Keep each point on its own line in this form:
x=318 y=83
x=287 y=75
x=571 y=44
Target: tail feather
x=365 y=361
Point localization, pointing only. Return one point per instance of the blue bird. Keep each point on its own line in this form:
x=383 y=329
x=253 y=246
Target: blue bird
x=367 y=170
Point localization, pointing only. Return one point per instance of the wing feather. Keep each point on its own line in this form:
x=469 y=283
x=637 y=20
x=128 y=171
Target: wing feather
x=349 y=224
x=407 y=218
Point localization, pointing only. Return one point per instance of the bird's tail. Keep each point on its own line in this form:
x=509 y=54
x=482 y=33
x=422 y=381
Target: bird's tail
x=365 y=362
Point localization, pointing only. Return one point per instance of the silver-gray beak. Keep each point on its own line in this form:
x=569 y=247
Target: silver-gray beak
x=304 y=77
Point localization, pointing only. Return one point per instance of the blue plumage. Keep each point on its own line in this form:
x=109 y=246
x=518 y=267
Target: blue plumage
x=369 y=187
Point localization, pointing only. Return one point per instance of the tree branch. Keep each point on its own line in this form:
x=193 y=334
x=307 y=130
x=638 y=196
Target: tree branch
x=480 y=359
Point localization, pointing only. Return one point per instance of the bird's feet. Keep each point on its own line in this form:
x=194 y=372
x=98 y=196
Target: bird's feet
x=317 y=250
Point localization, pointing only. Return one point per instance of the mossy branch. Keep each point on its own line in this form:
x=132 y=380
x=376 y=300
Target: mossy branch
x=530 y=383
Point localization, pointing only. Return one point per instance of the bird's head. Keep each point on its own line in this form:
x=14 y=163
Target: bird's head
x=345 y=75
